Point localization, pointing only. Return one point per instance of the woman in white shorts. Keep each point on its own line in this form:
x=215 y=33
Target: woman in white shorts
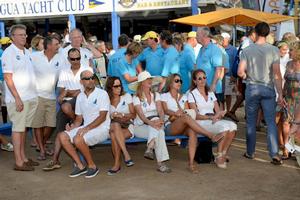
x=209 y=115
x=121 y=128
x=181 y=120
x=149 y=123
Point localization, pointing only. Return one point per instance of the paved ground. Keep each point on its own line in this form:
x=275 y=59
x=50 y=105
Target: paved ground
x=243 y=179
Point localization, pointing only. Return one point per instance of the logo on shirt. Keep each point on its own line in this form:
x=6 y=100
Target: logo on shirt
x=56 y=65
x=85 y=56
x=144 y=104
x=95 y=101
x=123 y=104
x=18 y=57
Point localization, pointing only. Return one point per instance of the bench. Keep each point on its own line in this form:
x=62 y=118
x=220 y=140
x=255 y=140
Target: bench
x=5 y=129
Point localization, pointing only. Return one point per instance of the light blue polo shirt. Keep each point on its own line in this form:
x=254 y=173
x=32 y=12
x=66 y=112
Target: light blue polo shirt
x=153 y=59
x=187 y=61
x=114 y=60
x=209 y=58
x=170 y=62
x=126 y=68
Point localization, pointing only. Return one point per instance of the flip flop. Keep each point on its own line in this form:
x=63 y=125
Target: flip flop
x=41 y=157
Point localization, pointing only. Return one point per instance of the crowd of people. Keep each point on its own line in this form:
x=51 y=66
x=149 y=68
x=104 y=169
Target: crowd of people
x=152 y=86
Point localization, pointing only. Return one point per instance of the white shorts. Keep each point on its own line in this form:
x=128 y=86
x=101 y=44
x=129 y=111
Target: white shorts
x=218 y=127
x=230 y=87
x=94 y=136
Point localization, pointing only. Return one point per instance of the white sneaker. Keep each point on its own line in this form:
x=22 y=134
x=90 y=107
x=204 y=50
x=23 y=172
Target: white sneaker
x=8 y=147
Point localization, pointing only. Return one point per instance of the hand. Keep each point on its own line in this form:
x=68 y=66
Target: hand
x=214 y=119
x=221 y=114
x=212 y=88
x=157 y=124
x=281 y=101
x=60 y=99
x=82 y=131
x=19 y=105
x=179 y=113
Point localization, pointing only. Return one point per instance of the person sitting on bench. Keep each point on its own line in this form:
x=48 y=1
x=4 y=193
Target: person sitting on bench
x=122 y=114
x=150 y=119
x=180 y=119
x=92 y=107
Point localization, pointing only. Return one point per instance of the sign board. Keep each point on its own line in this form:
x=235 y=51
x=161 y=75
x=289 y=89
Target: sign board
x=140 y=5
x=36 y=8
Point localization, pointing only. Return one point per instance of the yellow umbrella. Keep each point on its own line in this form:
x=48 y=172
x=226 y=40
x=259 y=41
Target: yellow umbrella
x=232 y=16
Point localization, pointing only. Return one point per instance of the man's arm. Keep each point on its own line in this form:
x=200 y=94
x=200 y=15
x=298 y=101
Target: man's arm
x=8 y=77
x=219 y=73
x=242 y=69
x=99 y=120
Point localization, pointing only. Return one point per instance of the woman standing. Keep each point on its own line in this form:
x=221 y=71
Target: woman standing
x=180 y=119
x=121 y=128
x=150 y=120
x=291 y=89
x=209 y=115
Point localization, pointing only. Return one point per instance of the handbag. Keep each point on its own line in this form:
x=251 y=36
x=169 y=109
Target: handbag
x=190 y=112
x=204 y=152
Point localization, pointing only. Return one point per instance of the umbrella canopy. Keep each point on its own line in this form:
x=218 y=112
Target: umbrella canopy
x=232 y=16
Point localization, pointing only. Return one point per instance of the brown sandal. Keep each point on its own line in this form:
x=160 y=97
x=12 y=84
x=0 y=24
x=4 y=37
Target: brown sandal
x=24 y=167
x=31 y=163
x=193 y=169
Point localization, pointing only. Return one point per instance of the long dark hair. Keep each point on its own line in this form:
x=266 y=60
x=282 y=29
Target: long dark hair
x=194 y=77
x=169 y=81
x=109 y=85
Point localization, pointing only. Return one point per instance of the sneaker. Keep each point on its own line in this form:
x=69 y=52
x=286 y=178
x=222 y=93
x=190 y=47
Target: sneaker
x=77 y=172
x=7 y=147
x=164 y=169
x=91 y=172
x=51 y=165
x=129 y=163
x=149 y=154
x=112 y=172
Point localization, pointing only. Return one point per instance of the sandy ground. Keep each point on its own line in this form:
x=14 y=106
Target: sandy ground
x=243 y=179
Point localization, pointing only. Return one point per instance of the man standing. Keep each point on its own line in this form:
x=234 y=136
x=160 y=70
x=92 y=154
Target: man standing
x=259 y=66
x=20 y=93
x=153 y=54
x=91 y=109
x=210 y=60
x=47 y=65
x=170 y=57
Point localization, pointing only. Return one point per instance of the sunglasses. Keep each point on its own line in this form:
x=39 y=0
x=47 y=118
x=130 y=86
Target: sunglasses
x=74 y=59
x=178 y=81
x=202 y=78
x=116 y=86
x=88 y=78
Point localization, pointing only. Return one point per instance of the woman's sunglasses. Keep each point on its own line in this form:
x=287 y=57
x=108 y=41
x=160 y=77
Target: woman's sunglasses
x=202 y=78
x=178 y=81
x=116 y=86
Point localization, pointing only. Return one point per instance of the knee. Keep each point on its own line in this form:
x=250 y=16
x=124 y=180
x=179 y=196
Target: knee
x=63 y=137
x=78 y=140
x=185 y=118
x=66 y=107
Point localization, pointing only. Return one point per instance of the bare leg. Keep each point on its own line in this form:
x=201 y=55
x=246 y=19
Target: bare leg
x=84 y=149
x=66 y=143
x=47 y=133
x=23 y=139
x=228 y=102
x=192 y=148
x=121 y=135
x=115 y=150
x=40 y=140
x=16 y=140
x=57 y=149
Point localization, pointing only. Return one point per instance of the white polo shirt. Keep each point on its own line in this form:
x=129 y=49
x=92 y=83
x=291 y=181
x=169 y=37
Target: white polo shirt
x=85 y=54
x=203 y=106
x=123 y=106
x=90 y=107
x=148 y=109
x=171 y=102
x=69 y=81
x=18 y=62
x=46 y=73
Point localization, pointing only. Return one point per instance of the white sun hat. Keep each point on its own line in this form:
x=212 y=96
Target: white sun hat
x=142 y=77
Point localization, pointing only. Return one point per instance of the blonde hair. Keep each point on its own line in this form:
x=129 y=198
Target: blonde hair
x=35 y=42
x=295 y=46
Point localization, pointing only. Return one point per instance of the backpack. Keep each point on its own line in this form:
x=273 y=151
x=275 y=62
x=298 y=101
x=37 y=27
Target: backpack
x=204 y=152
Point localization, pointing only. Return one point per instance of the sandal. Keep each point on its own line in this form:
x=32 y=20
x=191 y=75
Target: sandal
x=49 y=152
x=276 y=161
x=193 y=169
x=31 y=163
x=24 y=167
x=220 y=162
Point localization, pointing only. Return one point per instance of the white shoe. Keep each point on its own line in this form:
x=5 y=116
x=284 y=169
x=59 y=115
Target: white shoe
x=8 y=147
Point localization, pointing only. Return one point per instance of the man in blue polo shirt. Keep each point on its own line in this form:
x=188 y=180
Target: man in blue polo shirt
x=170 y=57
x=210 y=60
x=153 y=54
x=123 y=41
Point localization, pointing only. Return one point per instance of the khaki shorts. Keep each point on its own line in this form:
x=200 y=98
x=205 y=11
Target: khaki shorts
x=45 y=114
x=23 y=119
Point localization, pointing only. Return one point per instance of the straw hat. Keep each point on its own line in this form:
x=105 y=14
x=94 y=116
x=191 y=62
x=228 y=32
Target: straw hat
x=5 y=40
x=142 y=77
